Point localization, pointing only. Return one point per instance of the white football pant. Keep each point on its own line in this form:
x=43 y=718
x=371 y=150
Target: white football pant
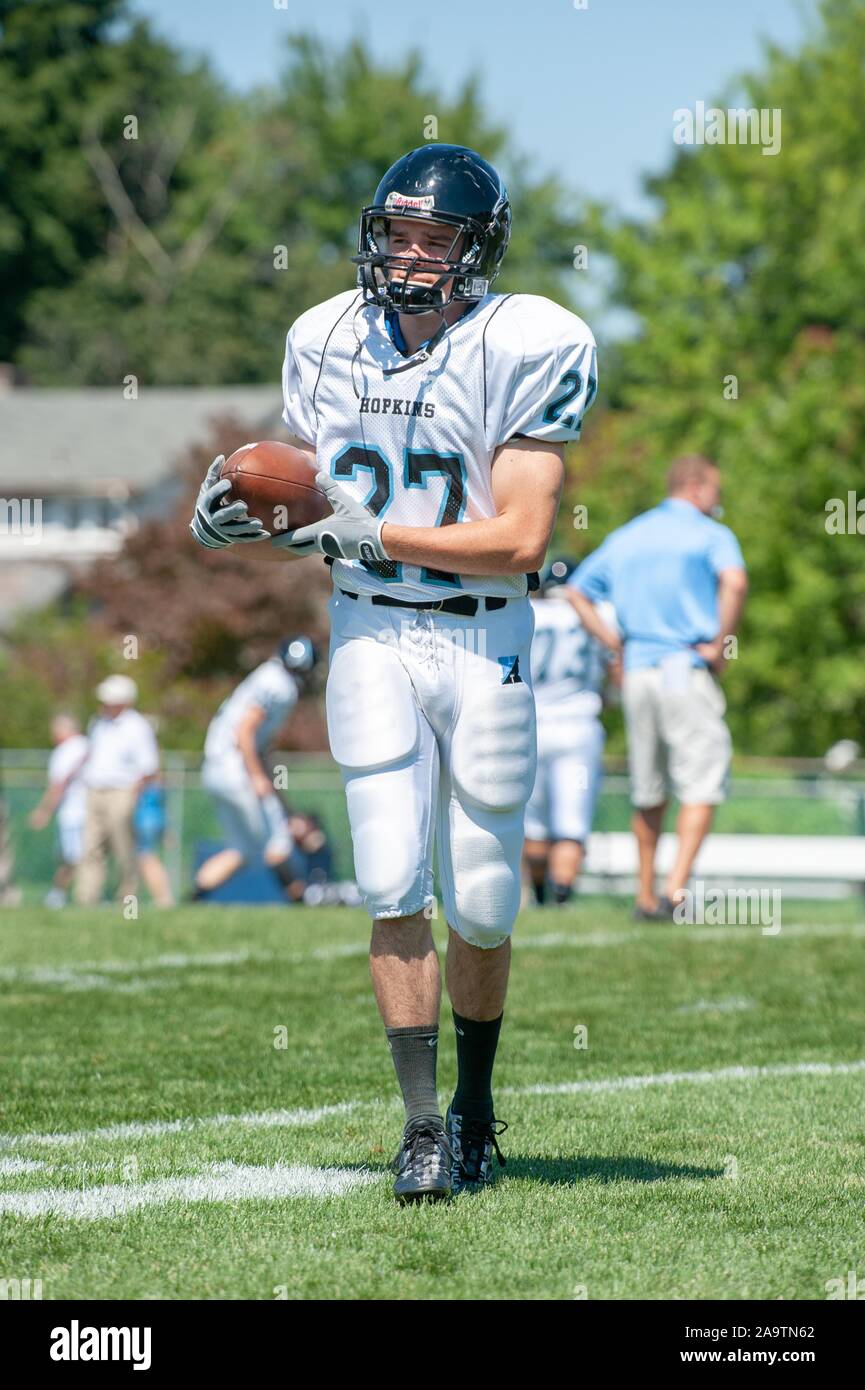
x=562 y=803
x=431 y=718
x=249 y=824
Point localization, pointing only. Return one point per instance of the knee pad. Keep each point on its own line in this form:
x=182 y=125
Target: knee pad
x=493 y=764
x=483 y=897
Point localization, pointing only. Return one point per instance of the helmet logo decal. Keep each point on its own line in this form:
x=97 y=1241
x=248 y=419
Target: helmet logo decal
x=405 y=200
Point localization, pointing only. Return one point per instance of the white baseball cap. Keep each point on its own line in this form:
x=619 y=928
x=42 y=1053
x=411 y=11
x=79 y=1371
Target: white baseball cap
x=117 y=690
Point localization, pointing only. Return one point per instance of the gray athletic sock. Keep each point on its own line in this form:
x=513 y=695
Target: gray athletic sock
x=414 y=1052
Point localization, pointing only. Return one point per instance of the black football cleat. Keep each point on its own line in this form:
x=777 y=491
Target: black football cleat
x=424 y=1163
x=473 y=1143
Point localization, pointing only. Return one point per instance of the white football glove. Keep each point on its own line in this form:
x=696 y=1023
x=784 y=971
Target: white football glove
x=352 y=533
x=214 y=526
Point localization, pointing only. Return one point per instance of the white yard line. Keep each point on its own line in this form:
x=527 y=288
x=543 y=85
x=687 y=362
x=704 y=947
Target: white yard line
x=13 y=1167
x=221 y=1182
x=716 y=1006
x=692 y=1078
x=94 y=974
x=100 y=975
x=147 y=1129
x=672 y=933
x=287 y=1119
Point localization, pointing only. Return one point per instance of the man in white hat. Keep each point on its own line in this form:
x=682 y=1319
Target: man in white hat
x=122 y=756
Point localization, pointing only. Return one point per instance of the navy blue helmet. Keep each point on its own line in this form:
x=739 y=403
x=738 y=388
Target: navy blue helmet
x=436 y=183
x=297 y=655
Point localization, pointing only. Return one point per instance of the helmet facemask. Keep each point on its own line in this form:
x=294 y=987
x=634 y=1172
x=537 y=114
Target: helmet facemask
x=398 y=291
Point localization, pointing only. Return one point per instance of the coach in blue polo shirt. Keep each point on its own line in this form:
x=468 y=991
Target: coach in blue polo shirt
x=677 y=581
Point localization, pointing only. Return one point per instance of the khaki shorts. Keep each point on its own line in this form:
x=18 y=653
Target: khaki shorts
x=677 y=738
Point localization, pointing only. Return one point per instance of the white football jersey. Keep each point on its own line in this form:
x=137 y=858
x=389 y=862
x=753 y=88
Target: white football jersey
x=568 y=666
x=418 y=446
x=272 y=689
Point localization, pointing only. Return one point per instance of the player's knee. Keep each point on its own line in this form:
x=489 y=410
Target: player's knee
x=387 y=876
x=485 y=899
x=485 y=909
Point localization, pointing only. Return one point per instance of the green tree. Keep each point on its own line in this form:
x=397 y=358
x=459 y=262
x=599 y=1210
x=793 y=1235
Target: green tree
x=70 y=71
x=749 y=284
x=226 y=218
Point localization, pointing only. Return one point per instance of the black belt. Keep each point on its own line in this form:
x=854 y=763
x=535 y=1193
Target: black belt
x=465 y=607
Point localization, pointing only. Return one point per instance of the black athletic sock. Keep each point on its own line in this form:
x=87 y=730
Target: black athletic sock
x=476 y=1054
x=414 y=1052
x=562 y=892
x=540 y=892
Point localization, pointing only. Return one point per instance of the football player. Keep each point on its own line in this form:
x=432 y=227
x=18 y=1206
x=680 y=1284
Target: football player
x=569 y=671
x=438 y=412
x=252 y=817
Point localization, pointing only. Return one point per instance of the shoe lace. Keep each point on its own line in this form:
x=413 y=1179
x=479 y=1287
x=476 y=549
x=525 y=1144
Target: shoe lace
x=421 y=1141
x=476 y=1133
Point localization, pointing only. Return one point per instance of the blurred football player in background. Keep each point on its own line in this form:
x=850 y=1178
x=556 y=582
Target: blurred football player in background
x=438 y=413
x=66 y=798
x=569 y=672
x=251 y=814
x=310 y=859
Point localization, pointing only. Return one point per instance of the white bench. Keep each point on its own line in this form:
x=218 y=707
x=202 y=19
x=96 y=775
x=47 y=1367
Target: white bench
x=816 y=859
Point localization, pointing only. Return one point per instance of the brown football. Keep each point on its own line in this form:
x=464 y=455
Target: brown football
x=277 y=483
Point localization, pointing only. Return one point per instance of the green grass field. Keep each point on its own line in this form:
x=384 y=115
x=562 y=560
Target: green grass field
x=201 y=1105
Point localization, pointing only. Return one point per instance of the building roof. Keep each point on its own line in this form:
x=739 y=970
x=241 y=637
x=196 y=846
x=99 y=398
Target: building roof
x=79 y=440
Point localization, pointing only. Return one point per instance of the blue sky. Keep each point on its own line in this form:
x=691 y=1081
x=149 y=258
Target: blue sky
x=588 y=93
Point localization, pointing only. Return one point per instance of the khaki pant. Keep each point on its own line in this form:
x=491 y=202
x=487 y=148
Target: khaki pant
x=108 y=823
x=677 y=737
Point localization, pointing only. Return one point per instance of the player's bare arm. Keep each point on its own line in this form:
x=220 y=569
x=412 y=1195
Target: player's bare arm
x=527 y=477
